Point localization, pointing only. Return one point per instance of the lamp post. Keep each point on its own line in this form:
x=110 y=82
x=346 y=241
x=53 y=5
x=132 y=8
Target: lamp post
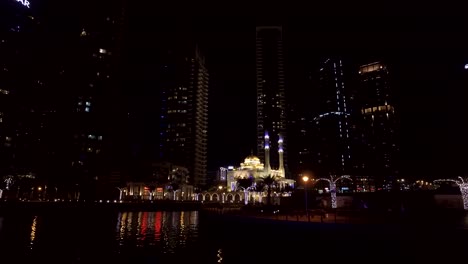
x=305 y=179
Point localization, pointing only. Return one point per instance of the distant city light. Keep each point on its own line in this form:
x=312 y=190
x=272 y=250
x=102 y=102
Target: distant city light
x=466 y=66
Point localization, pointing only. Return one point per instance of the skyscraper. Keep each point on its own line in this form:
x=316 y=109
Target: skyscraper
x=97 y=105
x=271 y=104
x=378 y=124
x=331 y=146
x=21 y=73
x=183 y=85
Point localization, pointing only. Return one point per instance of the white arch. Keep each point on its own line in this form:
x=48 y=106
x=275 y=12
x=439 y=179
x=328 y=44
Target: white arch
x=229 y=198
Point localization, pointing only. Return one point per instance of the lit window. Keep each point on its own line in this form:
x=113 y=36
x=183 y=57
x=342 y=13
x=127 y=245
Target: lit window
x=90 y=149
x=80 y=103
x=87 y=109
x=102 y=51
x=91 y=136
x=88 y=103
x=100 y=138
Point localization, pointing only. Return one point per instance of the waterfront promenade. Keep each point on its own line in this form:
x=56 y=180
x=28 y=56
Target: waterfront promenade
x=434 y=217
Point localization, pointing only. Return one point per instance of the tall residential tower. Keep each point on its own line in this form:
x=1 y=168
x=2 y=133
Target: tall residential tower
x=184 y=111
x=378 y=124
x=271 y=105
x=331 y=146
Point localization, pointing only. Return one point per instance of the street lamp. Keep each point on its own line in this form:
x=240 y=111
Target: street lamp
x=305 y=179
x=220 y=187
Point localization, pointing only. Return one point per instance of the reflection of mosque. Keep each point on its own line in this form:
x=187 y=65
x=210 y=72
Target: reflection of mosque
x=253 y=168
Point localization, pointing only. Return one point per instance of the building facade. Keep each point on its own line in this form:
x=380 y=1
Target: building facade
x=331 y=150
x=97 y=107
x=377 y=134
x=271 y=101
x=184 y=111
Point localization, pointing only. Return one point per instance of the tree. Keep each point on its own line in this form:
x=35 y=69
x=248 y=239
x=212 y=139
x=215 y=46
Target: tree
x=244 y=183
x=259 y=186
x=269 y=181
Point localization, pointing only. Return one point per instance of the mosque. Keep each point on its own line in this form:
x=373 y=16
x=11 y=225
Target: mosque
x=253 y=168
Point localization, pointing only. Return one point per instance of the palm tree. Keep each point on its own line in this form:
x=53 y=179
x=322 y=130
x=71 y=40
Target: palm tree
x=259 y=186
x=269 y=181
x=244 y=183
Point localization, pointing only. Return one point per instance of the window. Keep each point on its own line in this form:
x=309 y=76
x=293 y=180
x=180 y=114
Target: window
x=88 y=103
x=87 y=109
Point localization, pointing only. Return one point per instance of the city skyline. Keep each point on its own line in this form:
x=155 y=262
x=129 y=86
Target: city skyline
x=418 y=75
x=417 y=78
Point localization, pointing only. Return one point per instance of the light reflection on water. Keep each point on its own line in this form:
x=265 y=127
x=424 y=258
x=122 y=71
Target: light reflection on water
x=33 y=232
x=168 y=231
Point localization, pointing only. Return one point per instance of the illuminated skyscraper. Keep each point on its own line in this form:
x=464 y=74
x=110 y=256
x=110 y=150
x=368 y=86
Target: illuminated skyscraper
x=331 y=135
x=378 y=124
x=271 y=104
x=184 y=81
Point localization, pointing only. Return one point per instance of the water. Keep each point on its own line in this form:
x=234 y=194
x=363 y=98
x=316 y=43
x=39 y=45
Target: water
x=88 y=237
x=191 y=237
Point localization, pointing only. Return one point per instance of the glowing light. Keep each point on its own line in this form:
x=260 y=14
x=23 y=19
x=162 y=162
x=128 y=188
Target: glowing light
x=267 y=146
x=305 y=178
x=332 y=181
x=463 y=189
x=466 y=66
x=24 y=3
x=33 y=232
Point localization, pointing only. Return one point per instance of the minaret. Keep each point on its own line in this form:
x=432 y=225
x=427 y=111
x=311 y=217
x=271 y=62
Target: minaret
x=280 y=153
x=267 y=153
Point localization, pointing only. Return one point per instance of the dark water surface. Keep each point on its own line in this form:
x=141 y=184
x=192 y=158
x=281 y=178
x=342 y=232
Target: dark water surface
x=191 y=237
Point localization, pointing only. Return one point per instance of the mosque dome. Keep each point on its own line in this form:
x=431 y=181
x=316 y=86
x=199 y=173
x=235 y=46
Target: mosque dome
x=252 y=162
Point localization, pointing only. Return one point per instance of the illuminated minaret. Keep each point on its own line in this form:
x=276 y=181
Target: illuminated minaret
x=267 y=153
x=280 y=152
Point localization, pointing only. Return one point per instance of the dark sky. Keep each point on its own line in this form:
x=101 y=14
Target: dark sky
x=426 y=56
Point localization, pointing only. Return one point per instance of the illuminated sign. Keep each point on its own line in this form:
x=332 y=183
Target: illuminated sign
x=24 y=3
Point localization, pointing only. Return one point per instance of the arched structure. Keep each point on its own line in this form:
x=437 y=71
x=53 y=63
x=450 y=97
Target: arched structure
x=463 y=185
x=332 y=181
